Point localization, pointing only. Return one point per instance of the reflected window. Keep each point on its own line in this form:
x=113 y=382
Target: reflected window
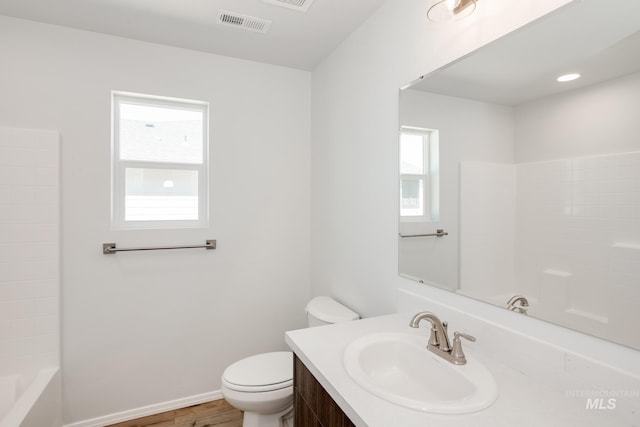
x=419 y=174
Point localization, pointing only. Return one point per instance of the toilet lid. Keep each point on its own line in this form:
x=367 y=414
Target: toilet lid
x=329 y=310
x=262 y=371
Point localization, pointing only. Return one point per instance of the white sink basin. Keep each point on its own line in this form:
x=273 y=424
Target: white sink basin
x=398 y=368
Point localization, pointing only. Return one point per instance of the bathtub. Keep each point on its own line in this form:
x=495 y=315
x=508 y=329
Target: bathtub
x=32 y=402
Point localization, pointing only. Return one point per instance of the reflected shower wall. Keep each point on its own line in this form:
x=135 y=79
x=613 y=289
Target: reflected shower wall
x=574 y=249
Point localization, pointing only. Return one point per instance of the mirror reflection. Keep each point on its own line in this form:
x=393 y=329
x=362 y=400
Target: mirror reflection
x=535 y=177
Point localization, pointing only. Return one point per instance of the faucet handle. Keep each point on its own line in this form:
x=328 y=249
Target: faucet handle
x=456 y=352
x=458 y=335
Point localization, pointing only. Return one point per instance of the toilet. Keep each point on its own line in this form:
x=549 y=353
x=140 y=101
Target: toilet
x=262 y=385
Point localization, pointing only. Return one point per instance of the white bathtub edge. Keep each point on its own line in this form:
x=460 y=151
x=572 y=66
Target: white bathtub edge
x=26 y=401
x=145 y=411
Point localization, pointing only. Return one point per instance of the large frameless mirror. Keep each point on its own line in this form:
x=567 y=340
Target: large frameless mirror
x=522 y=190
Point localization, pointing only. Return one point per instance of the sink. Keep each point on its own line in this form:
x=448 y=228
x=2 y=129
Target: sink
x=398 y=368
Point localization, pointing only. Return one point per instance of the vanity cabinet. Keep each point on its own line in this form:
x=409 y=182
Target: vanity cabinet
x=313 y=405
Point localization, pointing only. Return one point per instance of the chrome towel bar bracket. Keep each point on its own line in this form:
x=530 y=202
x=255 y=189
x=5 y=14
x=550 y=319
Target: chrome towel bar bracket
x=110 y=248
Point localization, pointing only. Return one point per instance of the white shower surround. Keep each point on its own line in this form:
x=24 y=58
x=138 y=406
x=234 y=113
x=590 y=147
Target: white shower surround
x=569 y=234
x=34 y=402
x=29 y=278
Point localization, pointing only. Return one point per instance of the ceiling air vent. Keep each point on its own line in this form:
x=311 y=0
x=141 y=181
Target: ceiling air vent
x=244 y=22
x=299 y=5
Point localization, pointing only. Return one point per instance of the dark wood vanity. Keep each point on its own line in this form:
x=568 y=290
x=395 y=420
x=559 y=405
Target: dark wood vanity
x=313 y=405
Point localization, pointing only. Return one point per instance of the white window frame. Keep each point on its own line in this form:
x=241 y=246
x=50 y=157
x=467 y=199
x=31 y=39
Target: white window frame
x=119 y=167
x=430 y=150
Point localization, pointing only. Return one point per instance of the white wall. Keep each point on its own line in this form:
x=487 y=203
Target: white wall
x=608 y=117
x=145 y=328
x=468 y=131
x=487 y=230
x=29 y=252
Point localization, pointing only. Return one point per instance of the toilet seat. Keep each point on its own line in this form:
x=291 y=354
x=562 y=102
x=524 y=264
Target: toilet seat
x=260 y=373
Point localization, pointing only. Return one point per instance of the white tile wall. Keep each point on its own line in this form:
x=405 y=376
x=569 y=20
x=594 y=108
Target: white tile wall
x=29 y=251
x=577 y=237
x=582 y=216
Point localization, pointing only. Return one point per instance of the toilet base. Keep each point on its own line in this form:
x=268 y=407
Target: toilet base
x=283 y=418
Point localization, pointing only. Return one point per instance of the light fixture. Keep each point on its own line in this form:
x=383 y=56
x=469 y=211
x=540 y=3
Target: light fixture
x=451 y=10
x=568 y=77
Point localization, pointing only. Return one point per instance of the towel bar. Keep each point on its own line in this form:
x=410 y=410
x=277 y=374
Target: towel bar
x=439 y=233
x=110 y=248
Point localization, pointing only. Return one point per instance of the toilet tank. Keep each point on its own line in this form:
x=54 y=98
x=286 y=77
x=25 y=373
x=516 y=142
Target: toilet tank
x=325 y=310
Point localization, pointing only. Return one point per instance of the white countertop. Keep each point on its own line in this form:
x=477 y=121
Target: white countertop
x=522 y=400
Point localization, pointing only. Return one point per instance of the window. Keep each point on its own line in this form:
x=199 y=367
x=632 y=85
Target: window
x=159 y=161
x=419 y=175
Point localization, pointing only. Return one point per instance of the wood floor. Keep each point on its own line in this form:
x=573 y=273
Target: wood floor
x=217 y=413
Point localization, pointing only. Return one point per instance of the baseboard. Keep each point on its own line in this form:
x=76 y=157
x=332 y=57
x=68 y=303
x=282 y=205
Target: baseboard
x=145 y=411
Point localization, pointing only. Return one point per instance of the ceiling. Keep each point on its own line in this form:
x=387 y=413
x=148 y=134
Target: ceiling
x=601 y=43
x=295 y=39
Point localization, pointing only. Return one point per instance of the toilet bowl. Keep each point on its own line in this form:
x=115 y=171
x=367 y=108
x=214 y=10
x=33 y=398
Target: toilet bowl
x=262 y=385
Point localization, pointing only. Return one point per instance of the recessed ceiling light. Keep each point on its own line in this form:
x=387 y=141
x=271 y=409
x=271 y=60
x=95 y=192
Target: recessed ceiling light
x=568 y=77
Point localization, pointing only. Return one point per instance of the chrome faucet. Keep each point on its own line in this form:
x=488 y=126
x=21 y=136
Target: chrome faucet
x=522 y=308
x=439 y=339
